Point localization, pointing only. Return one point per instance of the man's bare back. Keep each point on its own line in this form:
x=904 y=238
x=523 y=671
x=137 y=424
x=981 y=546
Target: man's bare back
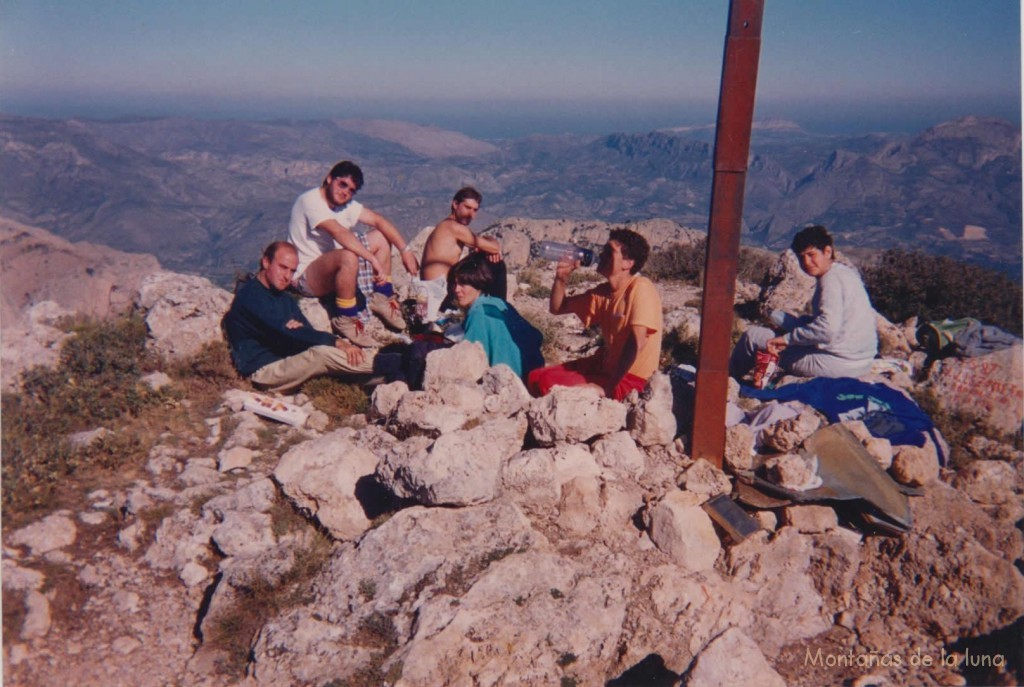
x=443 y=249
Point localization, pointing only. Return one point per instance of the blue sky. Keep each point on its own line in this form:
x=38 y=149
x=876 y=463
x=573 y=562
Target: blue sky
x=511 y=67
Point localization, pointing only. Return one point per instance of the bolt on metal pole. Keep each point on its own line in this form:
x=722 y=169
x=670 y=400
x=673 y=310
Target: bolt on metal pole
x=732 y=148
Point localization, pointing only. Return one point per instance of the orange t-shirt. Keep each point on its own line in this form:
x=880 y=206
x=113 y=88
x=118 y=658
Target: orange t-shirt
x=638 y=304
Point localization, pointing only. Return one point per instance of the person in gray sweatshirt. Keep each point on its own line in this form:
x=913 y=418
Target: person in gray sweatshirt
x=838 y=339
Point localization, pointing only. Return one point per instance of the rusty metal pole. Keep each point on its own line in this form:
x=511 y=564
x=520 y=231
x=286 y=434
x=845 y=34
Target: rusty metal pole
x=732 y=147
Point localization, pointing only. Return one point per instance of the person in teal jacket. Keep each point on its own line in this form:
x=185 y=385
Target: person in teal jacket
x=506 y=336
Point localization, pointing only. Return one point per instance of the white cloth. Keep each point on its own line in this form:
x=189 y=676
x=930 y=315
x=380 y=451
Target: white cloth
x=309 y=210
x=433 y=292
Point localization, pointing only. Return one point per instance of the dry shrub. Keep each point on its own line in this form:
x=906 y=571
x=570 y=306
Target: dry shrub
x=259 y=600
x=903 y=284
x=537 y=285
x=679 y=346
x=95 y=382
x=204 y=377
x=679 y=261
x=584 y=276
x=752 y=265
x=685 y=262
x=336 y=398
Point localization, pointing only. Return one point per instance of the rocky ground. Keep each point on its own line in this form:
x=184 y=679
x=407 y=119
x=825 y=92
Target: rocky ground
x=470 y=535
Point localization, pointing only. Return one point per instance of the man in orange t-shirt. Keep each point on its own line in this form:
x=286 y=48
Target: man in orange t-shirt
x=627 y=309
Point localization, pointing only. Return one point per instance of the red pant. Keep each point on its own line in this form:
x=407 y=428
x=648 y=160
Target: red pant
x=580 y=372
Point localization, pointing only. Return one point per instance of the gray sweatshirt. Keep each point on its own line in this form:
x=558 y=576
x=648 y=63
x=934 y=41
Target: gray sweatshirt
x=842 y=320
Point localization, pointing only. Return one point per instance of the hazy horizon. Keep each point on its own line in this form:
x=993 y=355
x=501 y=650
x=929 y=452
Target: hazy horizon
x=493 y=121
x=504 y=70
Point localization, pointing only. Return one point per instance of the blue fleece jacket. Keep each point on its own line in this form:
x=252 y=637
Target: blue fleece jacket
x=506 y=336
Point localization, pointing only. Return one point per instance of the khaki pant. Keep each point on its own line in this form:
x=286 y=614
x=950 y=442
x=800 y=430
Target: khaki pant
x=288 y=373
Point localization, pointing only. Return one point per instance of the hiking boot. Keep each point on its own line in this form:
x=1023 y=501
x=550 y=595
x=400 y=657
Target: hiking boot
x=389 y=310
x=352 y=329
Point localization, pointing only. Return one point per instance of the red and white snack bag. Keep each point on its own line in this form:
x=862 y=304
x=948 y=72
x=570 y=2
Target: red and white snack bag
x=765 y=366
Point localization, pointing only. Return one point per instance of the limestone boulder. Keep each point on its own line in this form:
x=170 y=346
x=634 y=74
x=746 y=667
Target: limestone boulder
x=990 y=482
x=52 y=533
x=256 y=496
x=182 y=538
x=953 y=572
x=915 y=466
x=739 y=448
x=787 y=287
x=326 y=478
x=989 y=449
x=574 y=414
x=388 y=582
x=533 y=479
x=892 y=342
x=787 y=606
x=836 y=557
x=619 y=454
x=460 y=396
x=680 y=527
x=547 y=616
x=792 y=471
x=618 y=502
x=461 y=467
x=527 y=479
x=732 y=658
x=990 y=387
x=183 y=312
x=37 y=616
x=46 y=277
x=463 y=362
x=420 y=413
x=677 y=614
x=653 y=422
x=385 y=398
x=810 y=519
x=786 y=435
x=243 y=533
x=705 y=480
x=881 y=450
x=236 y=458
x=504 y=392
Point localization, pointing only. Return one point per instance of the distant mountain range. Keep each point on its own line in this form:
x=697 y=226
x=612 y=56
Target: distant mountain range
x=205 y=196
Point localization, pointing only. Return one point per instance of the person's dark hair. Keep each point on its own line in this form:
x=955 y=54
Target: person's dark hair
x=346 y=168
x=815 y=236
x=473 y=270
x=270 y=252
x=467 y=192
x=634 y=247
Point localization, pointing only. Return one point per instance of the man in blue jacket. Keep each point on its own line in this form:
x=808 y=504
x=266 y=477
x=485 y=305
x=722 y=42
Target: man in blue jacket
x=272 y=342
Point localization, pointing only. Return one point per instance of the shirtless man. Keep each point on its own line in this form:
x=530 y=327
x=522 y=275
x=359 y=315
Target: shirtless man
x=445 y=243
x=444 y=248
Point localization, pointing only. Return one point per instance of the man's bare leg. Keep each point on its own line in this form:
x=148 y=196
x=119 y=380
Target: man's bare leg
x=332 y=276
x=381 y=249
x=333 y=273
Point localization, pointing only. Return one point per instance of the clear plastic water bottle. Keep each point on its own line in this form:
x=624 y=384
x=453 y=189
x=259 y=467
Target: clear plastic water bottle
x=555 y=251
